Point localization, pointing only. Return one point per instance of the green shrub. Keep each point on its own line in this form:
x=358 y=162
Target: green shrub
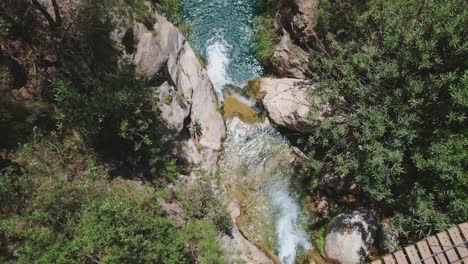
x=396 y=79
x=171 y=9
x=118 y=117
x=265 y=38
x=142 y=11
x=59 y=207
x=118 y=230
x=201 y=238
x=198 y=201
x=319 y=238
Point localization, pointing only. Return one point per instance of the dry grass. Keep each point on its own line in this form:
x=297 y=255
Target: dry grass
x=234 y=107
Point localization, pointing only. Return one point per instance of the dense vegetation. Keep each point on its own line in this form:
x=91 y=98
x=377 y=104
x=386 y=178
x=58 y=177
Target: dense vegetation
x=59 y=205
x=265 y=34
x=395 y=75
x=84 y=159
x=53 y=215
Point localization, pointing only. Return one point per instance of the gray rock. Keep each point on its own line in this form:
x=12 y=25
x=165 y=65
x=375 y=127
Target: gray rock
x=289 y=60
x=287 y=102
x=304 y=21
x=350 y=236
x=172 y=109
x=189 y=94
x=151 y=51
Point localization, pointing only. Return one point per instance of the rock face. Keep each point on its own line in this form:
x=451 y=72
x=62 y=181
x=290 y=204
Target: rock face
x=172 y=110
x=297 y=21
x=289 y=60
x=304 y=20
x=287 y=102
x=187 y=98
x=151 y=52
x=350 y=236
x=240 y=249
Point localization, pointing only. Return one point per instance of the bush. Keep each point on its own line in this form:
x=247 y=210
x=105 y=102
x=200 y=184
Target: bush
x=119 y=230
x=118 y=117
x=396 y=80
x=198 y=201
x=264 y=39
x=59 y=207
x=265 y=35
x=201 y=239
x=142 y=11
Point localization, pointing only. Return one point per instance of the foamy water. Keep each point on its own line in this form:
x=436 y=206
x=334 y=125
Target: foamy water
x=263 y=156
x=218 y=63
x=289 y=233
x=224 y=28
x=255 y=162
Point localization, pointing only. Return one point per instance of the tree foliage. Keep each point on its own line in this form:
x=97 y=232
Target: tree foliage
x=118 y=117
x=65 y=193
x=60 y=207
x=395 y=74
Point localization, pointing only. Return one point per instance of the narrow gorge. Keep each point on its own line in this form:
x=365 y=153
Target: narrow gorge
x=255 y=166
x=233 y=131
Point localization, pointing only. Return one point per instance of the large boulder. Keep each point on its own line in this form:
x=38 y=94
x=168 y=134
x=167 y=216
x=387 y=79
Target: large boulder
x=290 y=60
x=187 y=98
x=287 y=101
x=195 y=88
x=350 y=236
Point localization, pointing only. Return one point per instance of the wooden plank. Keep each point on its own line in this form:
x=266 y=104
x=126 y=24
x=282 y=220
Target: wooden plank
x=389 y=259
x=377 y=261
x=458 y=240
x=426 y=254
x=412 y=254
x=437 y=250
x=447 y=245
x=461 y=261
x=400 y=257
x=464 y=230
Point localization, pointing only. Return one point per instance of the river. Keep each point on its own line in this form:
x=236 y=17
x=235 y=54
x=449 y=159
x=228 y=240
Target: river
x=255 y=166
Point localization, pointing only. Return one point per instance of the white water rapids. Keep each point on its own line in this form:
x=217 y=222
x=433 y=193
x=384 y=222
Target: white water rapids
x=256 y=167
x=218 y=63
x=255 y=164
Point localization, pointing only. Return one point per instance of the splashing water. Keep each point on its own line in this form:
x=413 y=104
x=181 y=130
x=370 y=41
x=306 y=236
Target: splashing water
x=256 y=162
x=218 y=63
x=228 y=24
x=255 y=165
x=289 y=233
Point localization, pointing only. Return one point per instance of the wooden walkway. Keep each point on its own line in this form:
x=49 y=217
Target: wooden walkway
x=449 y=246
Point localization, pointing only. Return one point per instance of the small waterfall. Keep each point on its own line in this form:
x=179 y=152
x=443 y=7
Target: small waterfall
x=256 y=162
x=289 y=234
x=218 y=63
x=255 y=165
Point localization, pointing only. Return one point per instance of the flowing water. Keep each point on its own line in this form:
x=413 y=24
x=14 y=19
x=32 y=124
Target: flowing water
x=256 y=162
x=256 y=168
x=221 y=32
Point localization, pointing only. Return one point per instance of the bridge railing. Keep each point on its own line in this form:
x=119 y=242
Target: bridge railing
x=449 y=246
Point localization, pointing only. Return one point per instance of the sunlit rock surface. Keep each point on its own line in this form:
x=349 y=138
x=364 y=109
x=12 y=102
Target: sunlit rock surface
x=287 y=102
x=350 y=236
x=188 y=96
